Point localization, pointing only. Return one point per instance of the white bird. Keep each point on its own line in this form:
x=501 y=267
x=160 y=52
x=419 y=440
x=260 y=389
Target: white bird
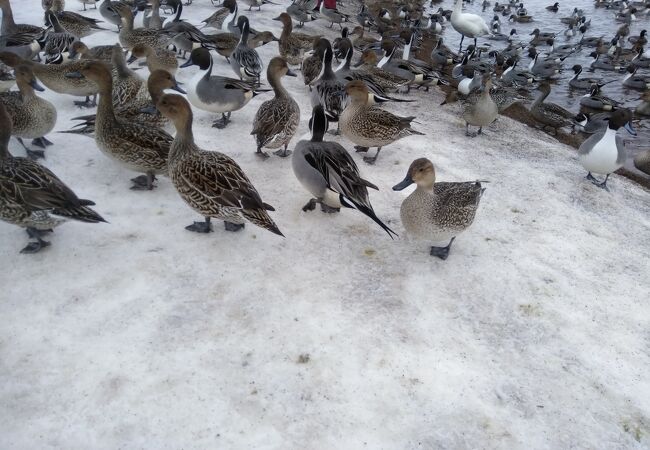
x=466 y=24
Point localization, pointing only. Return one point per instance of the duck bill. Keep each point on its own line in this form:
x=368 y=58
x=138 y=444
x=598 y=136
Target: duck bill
x=131 y=59
x=177 y=88
x=187 y=63
x=37 y=87
x=277 y=18
x=291 y=73
x=406 y=182
x=630 y=129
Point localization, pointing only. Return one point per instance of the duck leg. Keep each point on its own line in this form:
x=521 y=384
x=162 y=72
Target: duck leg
x=143 y=182
x=311 y=205
x=223 y=123
x=32 y=154
x=328 y=209
x=261 y=154
x=233 y=226
x=591 y=178
x=336 y=132
x=42 y=142
x=87 y=103
x=35 y=247
x=602 y=185
x=468 y=133
x=441 y=252
x=200 y=227
x=371 y=160
x=283 y=153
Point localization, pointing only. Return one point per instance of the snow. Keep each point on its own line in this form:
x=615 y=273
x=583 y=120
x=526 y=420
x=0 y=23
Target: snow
x=535 y=333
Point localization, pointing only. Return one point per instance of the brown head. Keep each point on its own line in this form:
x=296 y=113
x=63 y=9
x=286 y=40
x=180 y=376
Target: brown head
x=176 y=109
x=277 y=68
x=368 y=57
x=357 y=31
x=26 y=80
x=421 y=172
x=96 y=71
x=158 y=81
x=285 y=19
x=141 y=51
x=78 y=48
x=358 y=91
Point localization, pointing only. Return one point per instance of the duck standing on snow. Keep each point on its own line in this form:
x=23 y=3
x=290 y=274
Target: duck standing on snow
x=437 y=212
x=604 y=152
x=292 y=45
x=328 y=90
x=32 y=197
x=330 y=174
x=370 y=126
x=245 y=61
x=277 y=119
x=210 y=182
x=469 y=25
x=480 y=109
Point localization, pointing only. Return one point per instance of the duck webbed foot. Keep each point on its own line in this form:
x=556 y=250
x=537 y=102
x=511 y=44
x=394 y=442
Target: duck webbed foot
x=602 y=185
x=283 y=153
x=328 y=209
x=88 y=103
x=372 y=159
x=35 y=154
x=41 y=142
x=143 y=182
x=310 y=206
x=233 y=226
x=35 y=247
x=441 y=252
x=200 y=227
x=261 y=154
x=223 y=122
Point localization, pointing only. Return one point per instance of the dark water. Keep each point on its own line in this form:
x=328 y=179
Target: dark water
x=603 y=24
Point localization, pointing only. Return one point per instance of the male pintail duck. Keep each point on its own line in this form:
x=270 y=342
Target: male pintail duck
x=215 y=93
x=245 y=61
x=634 y=81
x=604 y=152
x=78 y=25
x=138 y=147
x=57 y=40
x=596 y=100
x=549 y=114
x=32 y=117
x=332 y=15
x=277 y=119
x=437 y=212
x=157 y=59
x=370 y=126
x=293 y=45
x=480 y=109
x=581 y=83
x=328 y=90
x=512 y=76
x=418 y=73
x=387 y=81
x=328 y=172
x=32 y=197
x=210 y=182
x=470 y=25
x=591 y=123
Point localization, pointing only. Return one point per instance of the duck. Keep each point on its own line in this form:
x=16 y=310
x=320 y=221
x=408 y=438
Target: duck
x=126 y=83
x=466 y=24
x=32 y=116
x=441 y=56
x=512 y=76
x=546 y=68
x=332 y=15
x=300 y=14
x=417 y=73
x=467 y=85
x=540 y=38
x=245 y=61
x=77 y=25
x=292 y=45
x=595 y=100
x=555 y=7
x=561 y=50
x=311 y=65
x=549 y=114
x=480 y=109
x=110 y=14
x=603 y=64
x=365 y=18
x=129 y=37
x=328 y=172
x=157 y=59
x=221 y=18
x=23 y=45
x=10 y=27
x=328 y=90
x=153 y=21
x=57 y=40
x=138 y=147
x=641 y=39
x=79 y=50
x=367 y=70
x=591 y=123
x=520 y=19
x=262 y=38
x=634 y=81
x=581 y=83
x=503 y=37
x=7 y=78
x=277 y=120
x=603 y=152
x=370 y=126
x=642 y=161
x=210 y=182
x=215 y=93
x=361 y=41
x=257 y=4
x=33 y=197
x=437 y=212
x=53 y=77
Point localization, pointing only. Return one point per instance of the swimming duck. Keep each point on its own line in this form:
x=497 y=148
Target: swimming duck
x=332 y=15
x=634 y=81
x=328 y=90
x=32 y=197
x=503 y=37
x=130 y=37
x=79 y=50
x=215 y=93
x=596 y=100
x=328 y=172
x=581 y=83
x=549 y=114
x=466 y=24
x=540 y=38
x=520 y=19
x=32 y=117
x=640 y=39
x=561 y=50
x=245 y=61
x=369 y=126
x=53 y=77
x=77 y=25
x=603 y=63
x=604 y=152
x=138 y=147
x=437 y=212
x=10 y=27
x=210 y=182
x=511 y=75
x=292 y=45
x=479 y=109
x=555 y=7
x=277 y=119
x=544 y=68
x=157 y=59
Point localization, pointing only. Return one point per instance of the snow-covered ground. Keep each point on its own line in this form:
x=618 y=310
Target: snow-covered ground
x=534 y=334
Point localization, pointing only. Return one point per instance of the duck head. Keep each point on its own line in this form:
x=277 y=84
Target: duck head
x=367 y=57
x=199 y=57
x=285 y=19
x=139 y=51
x=161 y=80
x=278 y=67
x=421 y=172
x=176 y=109
x=358 y=91
x=25 y=79
x=77 y=48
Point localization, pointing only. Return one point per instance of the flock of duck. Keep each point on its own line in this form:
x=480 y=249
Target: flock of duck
x=133 y=115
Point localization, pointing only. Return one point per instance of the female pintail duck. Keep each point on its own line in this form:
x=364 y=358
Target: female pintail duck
x=7 y=78
x=79 y=50
x=53 y=76
x=540 y=38
x=549 y=114
x=370 y=126
x=634 y=81
x=328 y=172
x=130 y=37
x=32 y=117
x=262 y=38
x=153 y=21
x=595 y=100
x=277 y=119
x=77 y=25
x=210 y=182
x=293 y=45
x=157 y=59
x=642 y=161
x=311 y=65
x=126 y=83
x=332 y=15
x=32 y=197
x=581 y=83
x=245 y=61
x=223 y=16
x=604 y=152
x=215 y=93
x=437 y=212
x=480 y=109
x=138 y=147
x=11 y=27
x=517 y=77
x=328 y=90
x=470 y=25
x=361 y=41
x=520 y=19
